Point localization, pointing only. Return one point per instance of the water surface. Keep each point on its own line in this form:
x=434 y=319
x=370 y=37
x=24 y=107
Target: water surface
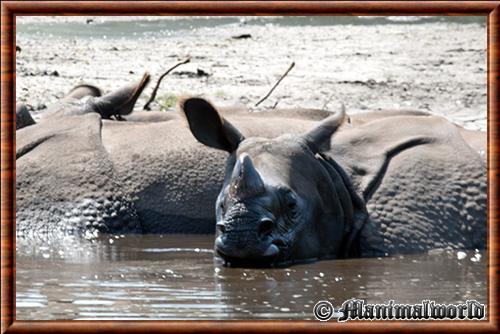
x=176 y=277
x=169 y=26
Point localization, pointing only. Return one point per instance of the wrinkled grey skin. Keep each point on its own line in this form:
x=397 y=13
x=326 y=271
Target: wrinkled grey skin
x=403 y=183
x=79 y=172
x=64 y=178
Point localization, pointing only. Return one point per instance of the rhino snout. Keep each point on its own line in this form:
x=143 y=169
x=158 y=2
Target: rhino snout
x=247 y=244
x=231 y=253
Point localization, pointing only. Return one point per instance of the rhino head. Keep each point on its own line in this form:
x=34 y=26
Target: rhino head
x=282 y=201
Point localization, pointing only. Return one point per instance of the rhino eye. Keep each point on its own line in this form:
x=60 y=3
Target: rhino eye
x=291 y=204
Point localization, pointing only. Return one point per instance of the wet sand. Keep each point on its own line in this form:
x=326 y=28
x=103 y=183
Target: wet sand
x=439 y=67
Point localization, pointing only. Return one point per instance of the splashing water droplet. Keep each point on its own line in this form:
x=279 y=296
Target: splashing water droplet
x=461 y=255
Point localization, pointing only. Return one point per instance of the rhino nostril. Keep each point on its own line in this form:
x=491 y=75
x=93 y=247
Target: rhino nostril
x=266 y=227
x=221 y=227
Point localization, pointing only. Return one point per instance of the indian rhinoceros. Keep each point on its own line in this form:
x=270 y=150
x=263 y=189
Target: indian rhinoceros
x=78 y=171
x=384 y=185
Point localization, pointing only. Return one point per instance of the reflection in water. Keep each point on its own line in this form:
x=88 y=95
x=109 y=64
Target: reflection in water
x=176 y=277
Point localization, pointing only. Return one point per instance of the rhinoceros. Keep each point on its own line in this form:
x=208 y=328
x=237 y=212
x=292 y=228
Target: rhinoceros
x=388 y=183
x=80 y=170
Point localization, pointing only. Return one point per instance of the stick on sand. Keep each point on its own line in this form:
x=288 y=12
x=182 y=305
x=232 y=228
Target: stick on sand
x=276 y=84
x=155 y=90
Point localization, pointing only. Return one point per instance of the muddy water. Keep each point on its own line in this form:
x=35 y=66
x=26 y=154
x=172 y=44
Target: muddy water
x=176 y=277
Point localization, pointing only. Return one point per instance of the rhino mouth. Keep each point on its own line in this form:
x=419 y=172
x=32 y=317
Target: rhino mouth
x=270 y=256
x=237 y=262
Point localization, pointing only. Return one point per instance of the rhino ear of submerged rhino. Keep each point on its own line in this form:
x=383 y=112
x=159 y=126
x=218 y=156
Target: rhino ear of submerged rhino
x=23 y=116
x=120 y=101
x=208 y=126
x=83 y=90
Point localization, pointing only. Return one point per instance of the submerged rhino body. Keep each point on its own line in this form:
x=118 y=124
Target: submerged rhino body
x=77 y=171
x=385 y=184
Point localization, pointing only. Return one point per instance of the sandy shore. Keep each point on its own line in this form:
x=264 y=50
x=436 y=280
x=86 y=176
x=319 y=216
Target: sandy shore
x=435 y=67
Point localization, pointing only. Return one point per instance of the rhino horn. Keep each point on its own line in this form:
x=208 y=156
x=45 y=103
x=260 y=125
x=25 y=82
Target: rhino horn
x=246 y=181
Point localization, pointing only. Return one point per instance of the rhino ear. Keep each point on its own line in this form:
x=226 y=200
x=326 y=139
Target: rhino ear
x=208 y=126
x=120 y=102
x=23 y=116
x=83 y=90
x=322 y=133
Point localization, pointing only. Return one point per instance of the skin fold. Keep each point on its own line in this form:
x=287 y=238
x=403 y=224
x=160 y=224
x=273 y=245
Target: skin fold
x=80 y=171
x=392 y=184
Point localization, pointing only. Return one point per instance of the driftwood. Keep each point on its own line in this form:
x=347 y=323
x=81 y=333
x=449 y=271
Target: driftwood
x=275 y=85
x=155 y=90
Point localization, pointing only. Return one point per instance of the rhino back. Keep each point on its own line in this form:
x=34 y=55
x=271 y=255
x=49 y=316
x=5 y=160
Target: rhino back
x=425 y=187
x=172 y=179
x=168 y=176
x=474 y=138
x=65 y=181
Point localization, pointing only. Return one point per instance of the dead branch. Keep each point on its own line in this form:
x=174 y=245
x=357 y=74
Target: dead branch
x=155 y=90
x=327 y=101
x=276 y=84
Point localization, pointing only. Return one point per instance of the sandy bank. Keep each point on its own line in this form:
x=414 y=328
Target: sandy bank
x=436 y=67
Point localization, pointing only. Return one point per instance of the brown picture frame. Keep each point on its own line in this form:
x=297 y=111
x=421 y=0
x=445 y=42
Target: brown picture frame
x=10 y=9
